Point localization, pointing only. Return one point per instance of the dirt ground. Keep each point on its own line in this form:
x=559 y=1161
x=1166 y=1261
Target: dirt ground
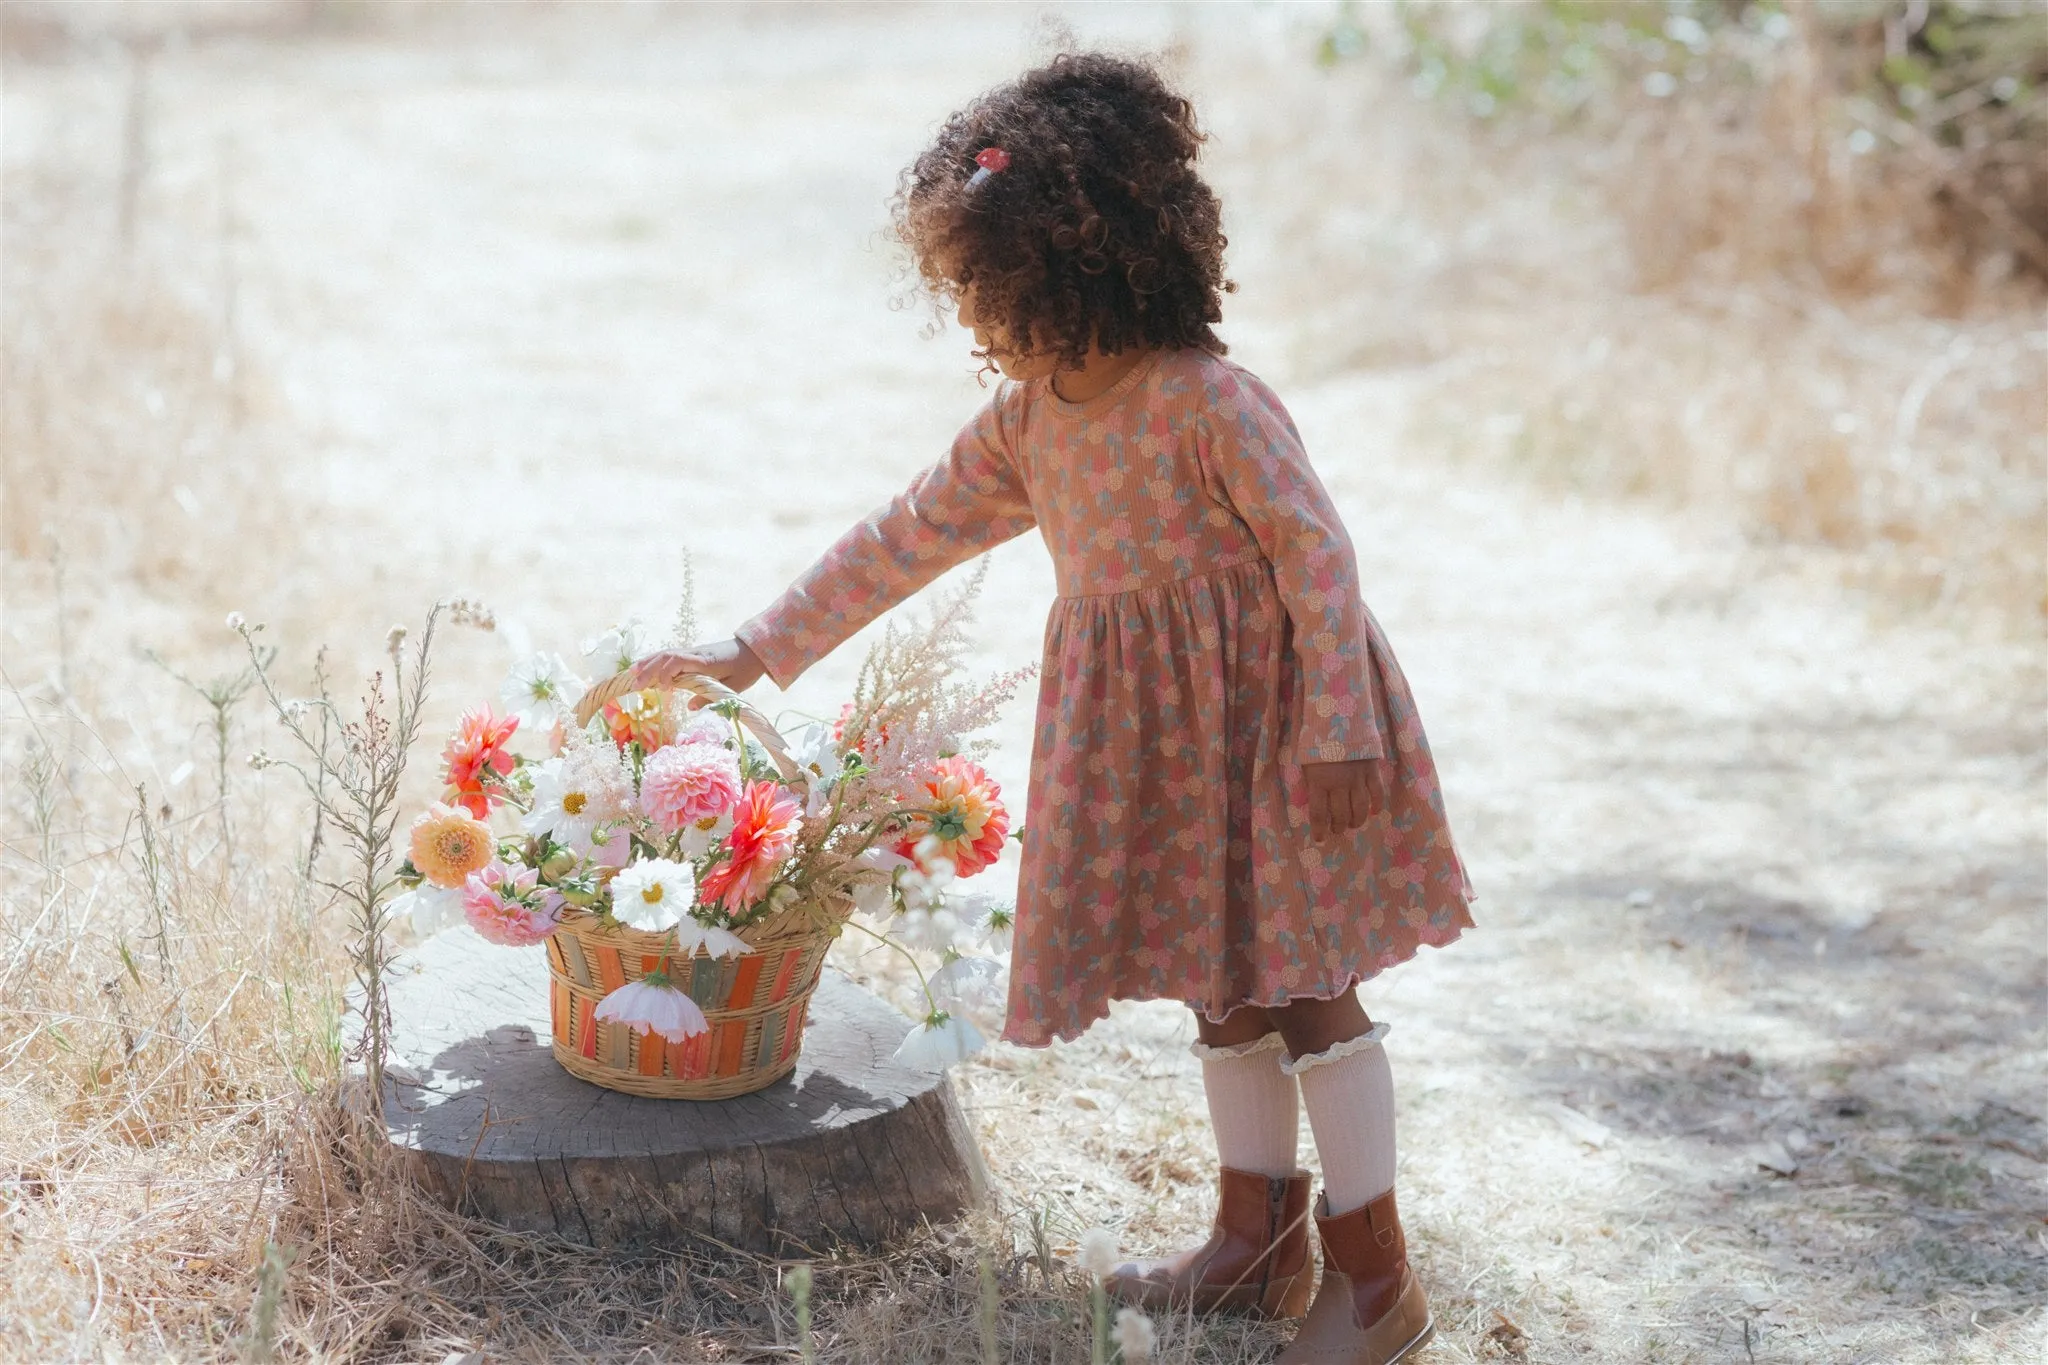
x=1744 y=1060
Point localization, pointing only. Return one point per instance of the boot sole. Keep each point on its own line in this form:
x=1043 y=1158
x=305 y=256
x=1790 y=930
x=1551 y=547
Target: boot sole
x=1422 y=1339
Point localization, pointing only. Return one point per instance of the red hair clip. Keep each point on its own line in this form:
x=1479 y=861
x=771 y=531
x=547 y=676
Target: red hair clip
x=991 y=160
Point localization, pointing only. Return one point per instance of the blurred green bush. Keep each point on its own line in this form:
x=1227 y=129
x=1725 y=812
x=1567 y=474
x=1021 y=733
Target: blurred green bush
x=1955 y=89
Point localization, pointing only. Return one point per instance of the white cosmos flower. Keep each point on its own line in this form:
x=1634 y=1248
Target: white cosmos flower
x=696 y=839
x=652 y=1005
x=617 y=650
x=574 y=794
x=429 y=909
x=653 y=894
x=540 y=690
x=692 y=934
x=1098 y=1252
x=967 y=982
x=1134 y=1336
x=817 y=753
x=941 y=1040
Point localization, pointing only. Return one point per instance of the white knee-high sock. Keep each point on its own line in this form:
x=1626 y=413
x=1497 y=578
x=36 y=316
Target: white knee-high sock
x=1349 y=1094
x=1251 y=1105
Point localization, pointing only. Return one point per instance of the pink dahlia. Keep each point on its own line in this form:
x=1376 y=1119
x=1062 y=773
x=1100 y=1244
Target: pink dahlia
x=477 y=759
x=498 y=903
x=685 y=783
x=764 y=829
x=964 y=812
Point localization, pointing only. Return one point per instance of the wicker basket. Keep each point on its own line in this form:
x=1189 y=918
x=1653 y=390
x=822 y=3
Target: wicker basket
x=754 y=1003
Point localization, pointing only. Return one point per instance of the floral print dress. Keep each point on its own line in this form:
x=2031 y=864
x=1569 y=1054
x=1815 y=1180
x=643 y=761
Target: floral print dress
x=1208 y=639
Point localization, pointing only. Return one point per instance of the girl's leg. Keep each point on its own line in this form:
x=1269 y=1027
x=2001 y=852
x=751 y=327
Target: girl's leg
x=1348 y=1090
x=1251 y=1100
x=1369 y=1309
x=1257 y=1255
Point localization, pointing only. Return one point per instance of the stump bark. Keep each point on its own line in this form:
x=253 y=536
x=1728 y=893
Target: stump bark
x=851 y=1150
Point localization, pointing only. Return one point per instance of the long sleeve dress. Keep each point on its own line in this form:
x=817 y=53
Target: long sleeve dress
x=1208 y=639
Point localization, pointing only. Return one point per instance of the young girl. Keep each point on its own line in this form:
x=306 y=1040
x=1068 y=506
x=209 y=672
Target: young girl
x=1231 y=800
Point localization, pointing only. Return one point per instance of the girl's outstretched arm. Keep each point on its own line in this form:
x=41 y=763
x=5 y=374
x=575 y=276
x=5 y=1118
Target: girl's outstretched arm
x=966 y=503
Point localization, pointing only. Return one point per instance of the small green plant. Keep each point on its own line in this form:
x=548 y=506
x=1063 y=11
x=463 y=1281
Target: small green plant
x=797 y=1280
x=260 y=1344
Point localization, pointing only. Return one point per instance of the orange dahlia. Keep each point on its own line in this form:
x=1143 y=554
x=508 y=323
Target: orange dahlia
x=448 y=844
x=477 y=759
x=764 y=826
x=965 y=814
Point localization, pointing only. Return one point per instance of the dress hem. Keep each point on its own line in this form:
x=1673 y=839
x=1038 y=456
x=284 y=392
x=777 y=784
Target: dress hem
x=1431 y=938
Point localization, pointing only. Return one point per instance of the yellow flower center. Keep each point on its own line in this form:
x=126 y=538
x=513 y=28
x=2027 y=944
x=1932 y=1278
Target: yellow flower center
x=573 y=803
x=651 y=893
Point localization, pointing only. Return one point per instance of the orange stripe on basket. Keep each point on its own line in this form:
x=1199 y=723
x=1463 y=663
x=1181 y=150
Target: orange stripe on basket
x=677 y=1054
x=557 y=1018
x=649 y=1061
x=610 y=970
x=555 y=958
x=650 y=964
x=586 y=1029
x=732 y=1037
x=698 y=1064
x=744 y=981
x=784 y=974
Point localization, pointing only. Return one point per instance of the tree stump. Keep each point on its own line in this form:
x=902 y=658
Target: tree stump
x=850 y=1150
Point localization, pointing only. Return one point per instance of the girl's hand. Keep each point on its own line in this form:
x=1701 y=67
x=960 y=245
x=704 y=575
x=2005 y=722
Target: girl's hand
x=729 y=661
x=1340 y=795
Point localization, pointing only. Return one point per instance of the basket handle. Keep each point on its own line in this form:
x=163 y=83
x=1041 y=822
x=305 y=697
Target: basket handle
x=710 y=689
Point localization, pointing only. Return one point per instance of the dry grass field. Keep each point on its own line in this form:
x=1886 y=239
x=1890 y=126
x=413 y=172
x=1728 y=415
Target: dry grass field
x=1720 y=586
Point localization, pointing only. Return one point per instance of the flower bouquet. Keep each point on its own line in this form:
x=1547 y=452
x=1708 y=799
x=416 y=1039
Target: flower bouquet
x=687 y=867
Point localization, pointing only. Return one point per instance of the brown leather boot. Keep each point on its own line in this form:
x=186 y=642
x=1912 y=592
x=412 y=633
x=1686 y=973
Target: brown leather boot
x=1369 y=1309
x=1255 y=1261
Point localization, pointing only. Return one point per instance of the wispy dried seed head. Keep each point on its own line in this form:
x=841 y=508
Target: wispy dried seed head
x=1134 y=1336
x=260 y=760
x=1098 y=1252
x=393 y=638
x=236 y=621
x=467 y=611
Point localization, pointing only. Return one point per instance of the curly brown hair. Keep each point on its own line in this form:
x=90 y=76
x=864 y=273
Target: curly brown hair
x=1098 y=232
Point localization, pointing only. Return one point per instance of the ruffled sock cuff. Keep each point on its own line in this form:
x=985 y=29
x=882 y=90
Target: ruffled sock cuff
x=1271 y=1042
x=1336 y=1052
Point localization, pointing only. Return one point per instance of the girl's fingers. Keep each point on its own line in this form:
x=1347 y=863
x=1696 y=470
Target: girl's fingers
x=1343 y=812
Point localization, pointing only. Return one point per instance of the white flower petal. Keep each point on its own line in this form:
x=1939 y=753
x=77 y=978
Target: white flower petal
x=429 y=909
x=968 y=981
x=716 y=942
x=653 y=1009
x=935 y=1046
x=653 y=894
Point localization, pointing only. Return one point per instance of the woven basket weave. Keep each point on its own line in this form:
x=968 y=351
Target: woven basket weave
x=754 y=1003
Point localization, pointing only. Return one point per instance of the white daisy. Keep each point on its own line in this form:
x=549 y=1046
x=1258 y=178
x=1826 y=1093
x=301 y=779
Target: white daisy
x=540 y=690
x=617 y=650
x=817 y=753
x=941 y=1040
x=574 y=794
x=653 y=894
x=695 y=840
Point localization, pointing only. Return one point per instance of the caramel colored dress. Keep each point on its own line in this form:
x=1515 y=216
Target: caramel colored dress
x=1208 y=639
